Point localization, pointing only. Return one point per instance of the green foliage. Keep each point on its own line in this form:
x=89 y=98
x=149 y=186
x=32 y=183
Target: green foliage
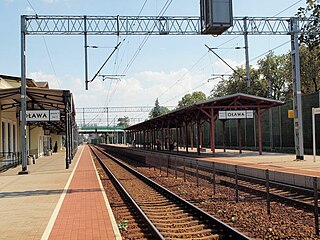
x=158 y=110
x=124 y=122
x=123 y=225
x=310 y=31
x=310 y=47
x=310 y=70
x=275 y=71
x=190 y=99
x=182 y=191
x=207 y=201
x=273 y=77
x=238 y=84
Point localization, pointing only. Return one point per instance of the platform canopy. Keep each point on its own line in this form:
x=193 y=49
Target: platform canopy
x=208 y=111
x=41 y=99
x=202 y=110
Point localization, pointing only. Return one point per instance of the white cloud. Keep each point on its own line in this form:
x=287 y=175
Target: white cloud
x=221 y=68
x=29 y=10
x=142 y=89
x=54 y=81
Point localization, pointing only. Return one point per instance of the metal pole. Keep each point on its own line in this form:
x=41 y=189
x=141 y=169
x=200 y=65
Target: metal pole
x=184 y=169
x=175 y=167
x=313 y=135
x=239 y=136
x=168 y=160
x=224 y=135
x=298 y=128
x=198 y=135
x=259 y=131
x=212 y=143
x=246 y=47
x=316 y=209
x=268 y=191
x=197 y=164
x=270 y=115
x=214 y=178
x=85 y=52
x=186 y=137
x=23 y=99
x=236 y=182
x=67 y=139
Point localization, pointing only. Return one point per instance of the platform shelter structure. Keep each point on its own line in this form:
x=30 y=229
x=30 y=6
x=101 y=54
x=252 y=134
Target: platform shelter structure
x=157 y=133
x=40 y=99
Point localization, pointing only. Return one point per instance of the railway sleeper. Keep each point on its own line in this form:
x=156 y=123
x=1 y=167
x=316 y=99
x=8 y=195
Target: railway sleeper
x=179 y=224
x=163 y=211
x=174 y=228
x=192 y=235
x=176 y=214
x=185 y=219
x=168 y=215
x=164 y=208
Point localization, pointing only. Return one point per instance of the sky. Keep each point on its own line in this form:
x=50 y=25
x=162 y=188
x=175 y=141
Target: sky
x=166 y=67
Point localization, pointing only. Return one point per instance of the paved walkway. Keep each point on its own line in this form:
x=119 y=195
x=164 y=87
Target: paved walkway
x=281 y=162
x=29 y=204
x=84 y=214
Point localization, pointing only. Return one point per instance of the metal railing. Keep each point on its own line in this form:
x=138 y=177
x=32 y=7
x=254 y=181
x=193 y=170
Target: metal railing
x=9 y=159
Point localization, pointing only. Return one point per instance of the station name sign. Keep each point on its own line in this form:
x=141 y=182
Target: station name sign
x=236 y=114
x=42 y=115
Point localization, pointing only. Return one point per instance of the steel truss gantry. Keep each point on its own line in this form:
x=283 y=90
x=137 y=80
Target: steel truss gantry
x=107 y=110
x=140 y=25
x=131 y=25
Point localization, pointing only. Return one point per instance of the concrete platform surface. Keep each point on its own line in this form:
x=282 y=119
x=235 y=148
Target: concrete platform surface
x=281 y=162
x=29 y=204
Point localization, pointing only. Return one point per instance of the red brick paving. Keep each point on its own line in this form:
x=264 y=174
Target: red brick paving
x=83 y=214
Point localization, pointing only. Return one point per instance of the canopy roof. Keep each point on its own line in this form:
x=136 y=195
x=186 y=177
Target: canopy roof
x=202 y=110
x=40 y=99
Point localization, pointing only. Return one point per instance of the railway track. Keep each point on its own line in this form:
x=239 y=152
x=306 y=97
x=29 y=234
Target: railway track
x=299 y=197
x=164 y=214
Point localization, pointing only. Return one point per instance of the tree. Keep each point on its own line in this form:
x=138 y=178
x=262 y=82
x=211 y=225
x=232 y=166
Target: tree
x=124 y=122
x=310 y=70
x=275 y=70
x=158 y=110
x=310 y=31
x=310 y=47
x=190 y=99
x=237 y=84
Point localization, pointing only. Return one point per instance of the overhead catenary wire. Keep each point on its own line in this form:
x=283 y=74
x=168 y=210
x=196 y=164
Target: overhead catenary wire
x=288 y=8
x=235 y=71
x=196 y=63
x=163 y=10
x=108 y=58
x=116 y=69
x=250 y=59
x=144 y=41
x=47 y=49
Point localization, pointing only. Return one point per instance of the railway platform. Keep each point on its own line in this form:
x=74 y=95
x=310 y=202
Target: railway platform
x=56 y=203
x=281 y=162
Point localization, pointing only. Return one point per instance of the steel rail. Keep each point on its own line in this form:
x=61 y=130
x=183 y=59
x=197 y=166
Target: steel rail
x=231 y=232
x=275 y=185
x=154 y=231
